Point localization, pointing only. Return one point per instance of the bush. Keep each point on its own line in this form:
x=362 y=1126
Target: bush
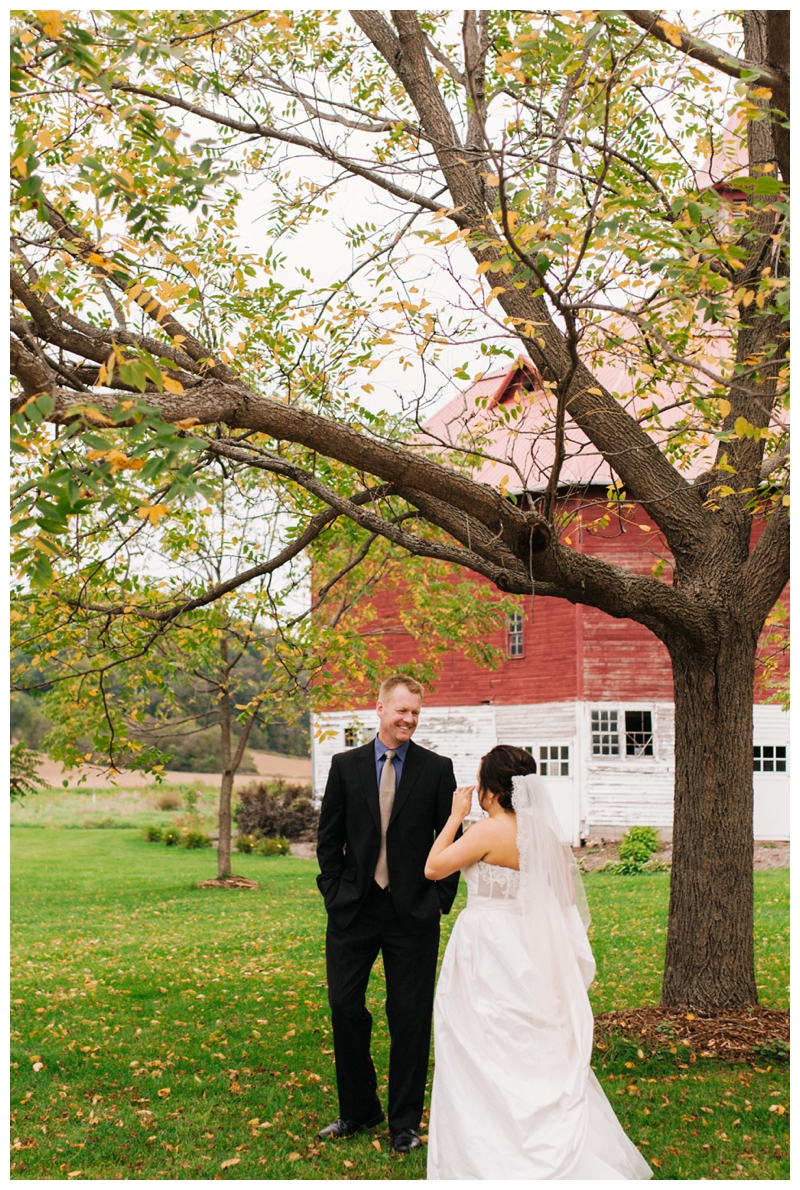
x=267 y=809
x=153 y=834
x=171 y=837
x=193 y=840
x=168 y=801
x=246 y=844
x=638 y=844
x=275 y=846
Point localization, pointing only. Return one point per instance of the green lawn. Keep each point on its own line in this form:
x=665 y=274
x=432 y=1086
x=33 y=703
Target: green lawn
x=183 y=1033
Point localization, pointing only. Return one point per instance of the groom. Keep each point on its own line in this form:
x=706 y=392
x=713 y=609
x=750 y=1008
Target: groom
x=384 y=804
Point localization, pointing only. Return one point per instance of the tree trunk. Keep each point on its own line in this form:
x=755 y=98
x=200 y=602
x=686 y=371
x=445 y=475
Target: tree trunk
x=709 y=960
x=226 y=784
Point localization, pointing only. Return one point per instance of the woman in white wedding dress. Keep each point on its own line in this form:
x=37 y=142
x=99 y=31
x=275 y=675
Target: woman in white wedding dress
x=514 y=1095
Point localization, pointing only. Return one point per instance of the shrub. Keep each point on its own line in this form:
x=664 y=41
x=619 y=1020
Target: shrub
x=171 y=837
x=274 y=846
x=193 y=840
x=168 y=801
x=153 y=834
x=271 y=808
x=246 y=844
x=190 y=799
x=638 y=844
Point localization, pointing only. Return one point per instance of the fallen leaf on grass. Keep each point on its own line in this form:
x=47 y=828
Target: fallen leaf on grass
x=348 y=1164
x=231 y=1161
x=163 y=1092
x=293 y=1157
x=376 y=1144
x=76 y=1173
x=778 y=1108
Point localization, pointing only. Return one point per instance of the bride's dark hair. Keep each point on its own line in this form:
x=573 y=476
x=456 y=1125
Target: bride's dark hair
x=500 y=766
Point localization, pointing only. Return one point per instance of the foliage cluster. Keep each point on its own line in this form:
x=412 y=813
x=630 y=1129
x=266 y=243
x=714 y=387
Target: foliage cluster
x=271 y=808
x=172 y=836
x=265 y=845
x=638 y=844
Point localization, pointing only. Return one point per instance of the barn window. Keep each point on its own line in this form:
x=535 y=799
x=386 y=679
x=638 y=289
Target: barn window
x=554 y=760
x=516 y=642
x=769 y=758
x=352 y=736
x=605 y=733
x=638 y=733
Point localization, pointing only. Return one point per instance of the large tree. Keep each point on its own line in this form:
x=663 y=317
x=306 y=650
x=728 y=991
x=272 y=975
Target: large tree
x=555 y=154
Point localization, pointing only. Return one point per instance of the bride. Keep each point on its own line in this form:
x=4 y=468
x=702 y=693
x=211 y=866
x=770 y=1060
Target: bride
x=514 y=1095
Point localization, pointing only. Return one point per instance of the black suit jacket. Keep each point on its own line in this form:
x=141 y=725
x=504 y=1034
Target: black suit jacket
x=349 y=836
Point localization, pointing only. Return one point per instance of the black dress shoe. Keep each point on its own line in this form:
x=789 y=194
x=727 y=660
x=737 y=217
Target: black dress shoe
x=340 y=1128
x=405 y=1140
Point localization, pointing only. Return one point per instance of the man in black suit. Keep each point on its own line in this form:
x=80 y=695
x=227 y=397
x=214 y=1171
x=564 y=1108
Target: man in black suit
x=383 y=806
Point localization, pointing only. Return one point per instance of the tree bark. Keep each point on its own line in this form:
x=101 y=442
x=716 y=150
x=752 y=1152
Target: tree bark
x=226 y=784
x=709 y=960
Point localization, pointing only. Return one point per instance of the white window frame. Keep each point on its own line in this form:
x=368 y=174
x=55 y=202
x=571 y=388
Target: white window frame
x=774 y=759
x=616 y=712
x=563 y=757
x=515 y=647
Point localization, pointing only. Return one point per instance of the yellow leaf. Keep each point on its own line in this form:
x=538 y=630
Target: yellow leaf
x=778 y=1108
x=293 y=1157
x=484 y=268
x=741 y=426
x=376 y=1144
x=186 y=423
x=231 y=1161
x=492 y=180
x=174 y=386
x=135 y=290
x=21 y=166
x=152 y=512
x=44 y=138
x=724 y=407
x=53 y=27
x=748 y=297
x=163 y=1092
x=597 y=392
x=96 y=258
x=690 y=1016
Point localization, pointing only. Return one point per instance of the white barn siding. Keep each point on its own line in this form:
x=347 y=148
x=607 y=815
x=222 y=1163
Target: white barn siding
x=628 y=791
x=601 y=794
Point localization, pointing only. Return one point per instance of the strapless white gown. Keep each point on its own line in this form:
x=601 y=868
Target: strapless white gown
x=514 y=1095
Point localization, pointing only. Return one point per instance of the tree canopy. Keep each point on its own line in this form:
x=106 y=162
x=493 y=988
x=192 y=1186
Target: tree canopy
x=550 y=166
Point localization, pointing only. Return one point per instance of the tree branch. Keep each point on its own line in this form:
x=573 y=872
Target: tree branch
x=703 y=51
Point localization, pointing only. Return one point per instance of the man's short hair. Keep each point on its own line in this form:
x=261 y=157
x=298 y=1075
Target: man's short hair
x=389 y=684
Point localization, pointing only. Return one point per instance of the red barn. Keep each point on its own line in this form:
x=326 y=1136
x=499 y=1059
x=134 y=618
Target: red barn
x=590 y=695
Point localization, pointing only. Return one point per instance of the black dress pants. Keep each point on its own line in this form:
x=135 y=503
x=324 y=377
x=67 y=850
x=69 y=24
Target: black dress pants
x=409 y=960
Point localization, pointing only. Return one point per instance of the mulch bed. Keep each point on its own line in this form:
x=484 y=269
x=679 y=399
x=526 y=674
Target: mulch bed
x=228 y=882
x=728 y=1033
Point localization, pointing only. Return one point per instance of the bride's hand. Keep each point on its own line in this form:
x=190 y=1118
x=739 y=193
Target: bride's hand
x=462 y=801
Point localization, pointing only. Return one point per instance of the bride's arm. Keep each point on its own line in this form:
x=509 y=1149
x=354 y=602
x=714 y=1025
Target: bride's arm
x=446 y=856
